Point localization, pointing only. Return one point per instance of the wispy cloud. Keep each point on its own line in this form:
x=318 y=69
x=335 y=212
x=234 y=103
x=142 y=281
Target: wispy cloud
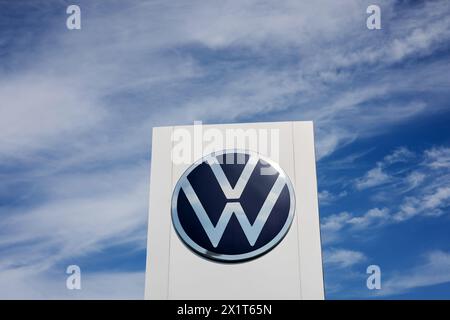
x=372 y=217
x=82 y=214
x=438 y=158
x=76 y=123
x=342 y=258
x=374 y=177
x=419 y=187
x=29 y=283
x=163 y=66
x=326 y=197
x=377 y=176
x=401 y=154
x=434 y=270
x=429 y=204
x=336 y=226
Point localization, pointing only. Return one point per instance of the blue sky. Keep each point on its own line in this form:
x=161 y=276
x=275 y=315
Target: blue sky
x=77 y=108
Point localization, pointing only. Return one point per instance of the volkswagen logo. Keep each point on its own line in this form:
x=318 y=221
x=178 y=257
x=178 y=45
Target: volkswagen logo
x=233 y=205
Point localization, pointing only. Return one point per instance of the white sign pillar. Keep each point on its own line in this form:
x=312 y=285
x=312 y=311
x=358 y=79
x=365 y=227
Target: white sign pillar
x=291 y=270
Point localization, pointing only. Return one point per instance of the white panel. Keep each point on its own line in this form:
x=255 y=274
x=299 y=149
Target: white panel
x=159 y=226
x=272 y=276
x=308 y=211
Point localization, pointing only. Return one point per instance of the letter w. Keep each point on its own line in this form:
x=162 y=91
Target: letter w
x=252 y=232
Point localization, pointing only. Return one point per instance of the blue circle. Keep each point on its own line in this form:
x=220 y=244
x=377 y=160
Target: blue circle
x=266 y=185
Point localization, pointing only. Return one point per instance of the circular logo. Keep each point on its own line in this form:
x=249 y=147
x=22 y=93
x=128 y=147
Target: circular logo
x=233 y=205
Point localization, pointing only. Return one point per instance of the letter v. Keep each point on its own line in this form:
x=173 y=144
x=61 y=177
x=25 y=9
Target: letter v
x=230 y=192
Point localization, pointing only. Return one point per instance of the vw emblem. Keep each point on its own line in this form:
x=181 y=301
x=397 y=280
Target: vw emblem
x=233 y=205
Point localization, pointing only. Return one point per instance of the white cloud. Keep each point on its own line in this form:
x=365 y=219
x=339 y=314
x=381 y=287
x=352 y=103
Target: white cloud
x=437 y=199
x=143 y=67
x=430 y=204
x=329 y=141
x=419 y=187
x=401 y=154
x=414 y=179
x=38 y=111
x=335 y=222
x=418 y=32
x=435 y=270
x=374 y=177
x=372 y=217
x=438 y=158
x=326 y=197
x=86 y=105
x=29 y=283
x=335 y=226
x=83 y=214
x=342 y=258
x=377 y=176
